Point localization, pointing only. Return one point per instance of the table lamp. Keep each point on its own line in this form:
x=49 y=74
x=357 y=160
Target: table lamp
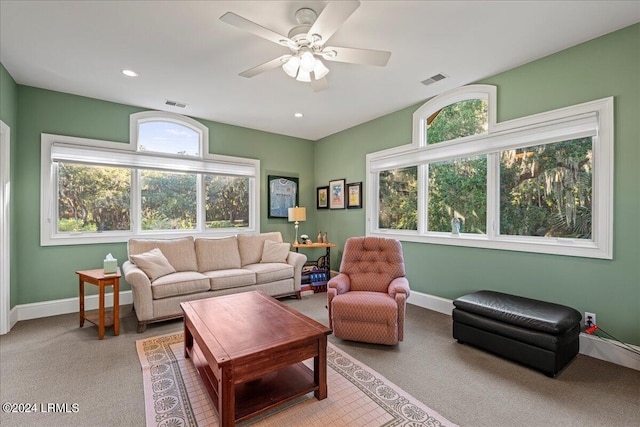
x=297 y=214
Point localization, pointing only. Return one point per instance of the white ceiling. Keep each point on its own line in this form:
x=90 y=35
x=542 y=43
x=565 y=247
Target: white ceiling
x=184 y=53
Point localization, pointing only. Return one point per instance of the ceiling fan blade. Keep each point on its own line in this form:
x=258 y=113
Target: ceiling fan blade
x=356 y=56
x=331 y=18
x=274 y=63
x=250 y=26
x=319 y=85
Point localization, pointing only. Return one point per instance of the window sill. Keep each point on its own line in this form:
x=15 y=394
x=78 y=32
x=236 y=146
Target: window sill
x=555 y=246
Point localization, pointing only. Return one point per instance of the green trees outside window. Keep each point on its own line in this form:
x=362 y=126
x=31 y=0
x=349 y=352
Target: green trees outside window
x=399 y=199
x=458 y=188
x=97 y=199
x=546 y=190
x=168 y=200
x=464 y=118
x=93 y=198
x=227 y=201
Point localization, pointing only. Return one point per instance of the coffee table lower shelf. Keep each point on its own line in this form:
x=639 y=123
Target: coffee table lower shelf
x=259 y=394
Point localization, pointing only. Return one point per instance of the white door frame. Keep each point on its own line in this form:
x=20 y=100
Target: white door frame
x=5 y=238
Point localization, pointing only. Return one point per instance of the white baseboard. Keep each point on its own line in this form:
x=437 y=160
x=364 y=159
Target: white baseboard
x=63 y=306
x=610 y=351
x=603 y=349
x=431 y=302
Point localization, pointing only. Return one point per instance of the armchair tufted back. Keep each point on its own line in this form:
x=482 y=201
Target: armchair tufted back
x=372 y=262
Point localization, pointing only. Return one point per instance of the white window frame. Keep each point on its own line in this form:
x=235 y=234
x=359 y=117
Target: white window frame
x=136 y=119
x=107 y=153
x=593 y=118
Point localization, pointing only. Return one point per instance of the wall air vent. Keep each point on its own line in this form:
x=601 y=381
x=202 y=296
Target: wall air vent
x=433 y=79
x=175 y=104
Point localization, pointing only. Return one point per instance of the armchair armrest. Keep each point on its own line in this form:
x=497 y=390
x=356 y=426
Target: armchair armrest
x=297 y=260
x=140 y=289
x=399 y=285
x=336 y=286
x=399 y=290
x=341 y=283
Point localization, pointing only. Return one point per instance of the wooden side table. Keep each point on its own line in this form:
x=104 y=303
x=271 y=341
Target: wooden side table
x=104 y=318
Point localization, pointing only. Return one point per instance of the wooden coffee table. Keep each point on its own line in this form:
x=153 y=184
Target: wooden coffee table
x=249 y=348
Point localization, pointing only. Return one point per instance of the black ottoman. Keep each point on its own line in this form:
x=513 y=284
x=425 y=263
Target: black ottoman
x=538 y=334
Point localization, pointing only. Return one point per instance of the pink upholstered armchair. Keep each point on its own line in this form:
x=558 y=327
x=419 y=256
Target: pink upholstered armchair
x=367 y=299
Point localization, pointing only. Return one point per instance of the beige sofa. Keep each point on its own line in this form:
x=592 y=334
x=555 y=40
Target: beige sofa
x=164 y=273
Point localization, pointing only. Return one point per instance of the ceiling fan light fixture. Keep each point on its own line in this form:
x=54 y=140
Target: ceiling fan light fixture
x=307 y=61
x=291 y=66
x=304 y=76
x=319 y=71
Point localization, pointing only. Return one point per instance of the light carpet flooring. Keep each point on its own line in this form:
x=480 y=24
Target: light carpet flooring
x=51 y=360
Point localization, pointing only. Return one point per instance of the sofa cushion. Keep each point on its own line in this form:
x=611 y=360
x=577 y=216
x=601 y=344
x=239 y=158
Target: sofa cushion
x=180 y=253
x=153 y=263
x=270 y=272
x=217 y=254
x=180 y=283
x=275 y=252
x=232 y=278
x=250 y=246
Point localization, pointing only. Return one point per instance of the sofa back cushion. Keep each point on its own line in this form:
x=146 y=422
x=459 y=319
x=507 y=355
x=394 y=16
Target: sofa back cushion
x=217 y=254
x=180 y=253
x=153 y=263
x=275 y=252
x=250 y=246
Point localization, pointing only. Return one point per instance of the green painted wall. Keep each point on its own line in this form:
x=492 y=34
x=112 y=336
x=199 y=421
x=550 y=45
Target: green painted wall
x=607 y=66
x=47 y=273
x=9 y=115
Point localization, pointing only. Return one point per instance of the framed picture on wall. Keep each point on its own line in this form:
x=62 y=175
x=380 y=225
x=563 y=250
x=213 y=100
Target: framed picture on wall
x=336 y=194
x=322 y=198
x=282 y=194
x=354 y=195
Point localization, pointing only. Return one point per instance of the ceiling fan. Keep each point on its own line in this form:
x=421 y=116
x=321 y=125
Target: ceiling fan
x=307 y=44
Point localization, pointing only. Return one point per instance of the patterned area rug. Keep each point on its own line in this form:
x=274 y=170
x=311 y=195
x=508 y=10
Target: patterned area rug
x=358 y=396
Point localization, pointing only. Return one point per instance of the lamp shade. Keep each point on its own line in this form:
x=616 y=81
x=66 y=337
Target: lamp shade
x=303 y=76
x=291 y=66
x=297 y=214
x=320 y=70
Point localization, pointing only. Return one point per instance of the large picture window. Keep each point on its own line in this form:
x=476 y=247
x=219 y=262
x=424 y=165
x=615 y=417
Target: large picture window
x=160 y=184
x=539 y=184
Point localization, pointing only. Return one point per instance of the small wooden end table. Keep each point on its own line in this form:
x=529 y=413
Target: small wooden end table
x=103 y=318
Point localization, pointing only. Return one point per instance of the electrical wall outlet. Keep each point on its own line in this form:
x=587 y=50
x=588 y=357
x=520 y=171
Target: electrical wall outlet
x=589 y=319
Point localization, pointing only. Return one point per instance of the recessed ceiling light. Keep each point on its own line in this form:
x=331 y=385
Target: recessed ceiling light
x=129 y=73
x=298 y=115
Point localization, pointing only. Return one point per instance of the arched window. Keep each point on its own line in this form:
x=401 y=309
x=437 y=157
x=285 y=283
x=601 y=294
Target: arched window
x=163 y=183
x=540 y=183
x=168 y=133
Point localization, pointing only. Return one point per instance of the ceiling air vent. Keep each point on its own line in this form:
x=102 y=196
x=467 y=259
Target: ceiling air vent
x=175 y=104
x=433 y=79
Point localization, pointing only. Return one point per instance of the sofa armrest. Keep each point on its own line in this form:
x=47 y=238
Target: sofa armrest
x=399 y=285
x=297 y=260
x=140 y=289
